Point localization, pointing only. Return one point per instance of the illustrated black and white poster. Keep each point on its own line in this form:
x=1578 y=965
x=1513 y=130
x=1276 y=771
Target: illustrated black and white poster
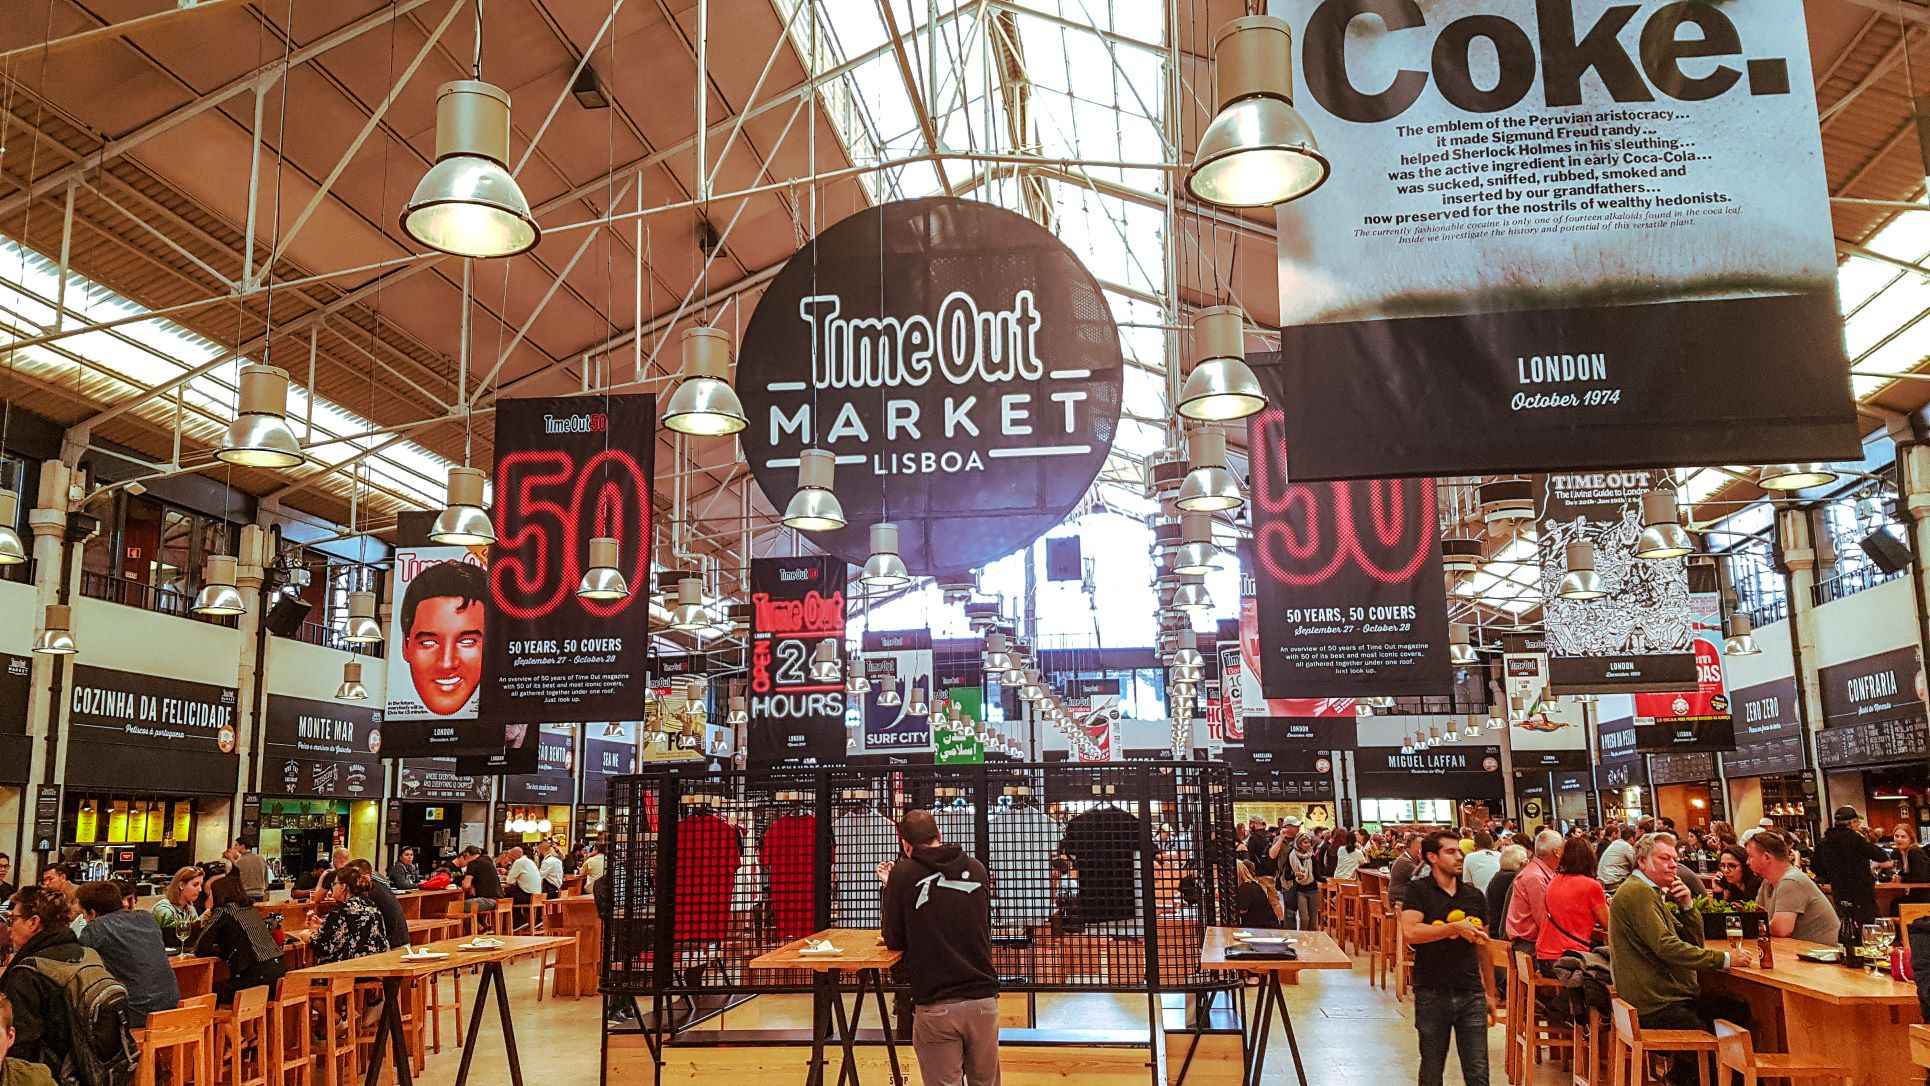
x=1566 y=234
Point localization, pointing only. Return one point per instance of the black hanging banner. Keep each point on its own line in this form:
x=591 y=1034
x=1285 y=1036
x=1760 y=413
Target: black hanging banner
x=321 y=748
x=568 y=469
x=554 y=779
x=797 y=604
x=1462 y=771
x=1621 y=764
x=958 y=360
x=1349 y=581
x=16 y=677
x=609 y=750
x=1769 y=736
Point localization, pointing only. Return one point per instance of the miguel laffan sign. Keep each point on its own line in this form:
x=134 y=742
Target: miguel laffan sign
x=956 y=358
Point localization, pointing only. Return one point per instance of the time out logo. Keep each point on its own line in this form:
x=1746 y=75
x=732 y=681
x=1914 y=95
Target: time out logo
x=956 y=358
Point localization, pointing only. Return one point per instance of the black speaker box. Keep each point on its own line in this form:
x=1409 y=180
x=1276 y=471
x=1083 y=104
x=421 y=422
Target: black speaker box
x=1890 y=554
x=285 y=618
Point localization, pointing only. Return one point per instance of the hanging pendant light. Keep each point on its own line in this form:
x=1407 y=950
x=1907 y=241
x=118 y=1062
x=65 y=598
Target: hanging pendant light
x=856 y=684
x=995 y=657
x=1740 y=637
x=260 y=436
x=603 y=581
x=468 y=204
x=888 y=698
x=1209 y=487
x=1496 y=724
x=362 y=628
x=689 y=615
x=1031 y=691
x=1196 y=553
x=352 y=688
x=56 y=636
x=815 y=508
x=1460 y=651
x=464 y=522
x=884 y=569
x=1221 y=387
x=1581 y=582
x=1188 y=653
x=1472 y=729
x=917 y=705
x=740 y=710
x=12 y=550
x=1258 y=150
x=1662 y=536
x=1785 y=477
x=824 y=662
x=1191 y=595
x=218 y=595
x=1407 y=743
x=1014 y=675
x=705 y=404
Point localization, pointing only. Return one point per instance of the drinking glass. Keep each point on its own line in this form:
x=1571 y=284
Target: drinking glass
x=1876 y=946
x=1732 y=926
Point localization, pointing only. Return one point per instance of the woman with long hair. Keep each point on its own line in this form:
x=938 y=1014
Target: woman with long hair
x=41 y=929
x=355 y=928
x=1255 y=900
x=1734 y=882
x=1346 y=851
x=176 y=911
x=238 y=934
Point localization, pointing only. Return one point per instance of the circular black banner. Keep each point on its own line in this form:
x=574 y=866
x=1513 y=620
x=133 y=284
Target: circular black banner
x=958 y=360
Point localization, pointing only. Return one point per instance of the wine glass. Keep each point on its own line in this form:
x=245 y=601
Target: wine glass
x=1877 y=940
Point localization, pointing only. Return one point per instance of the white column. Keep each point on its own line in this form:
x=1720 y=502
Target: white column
x=48 y=523
x=1795 y=539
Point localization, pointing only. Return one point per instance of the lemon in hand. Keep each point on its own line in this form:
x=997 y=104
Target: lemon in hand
x=1456 y=915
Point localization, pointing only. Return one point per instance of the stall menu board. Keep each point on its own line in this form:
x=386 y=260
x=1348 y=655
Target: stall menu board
x=321 y=748
x=16 y=681
x=1348 y=577
x=121 y=707
x=901 y=661
x=1769 y=731
x=1266 y=776
x=797 y=604
x=1873 y=743
x=1641 y=635
x=1621 y=764
x=1886 y=686
x=555 y=778
x=568 y=469
x=609 y=750
x=1682 y=768
x=438 y=779
x=1463 y=770
x=1638 y=189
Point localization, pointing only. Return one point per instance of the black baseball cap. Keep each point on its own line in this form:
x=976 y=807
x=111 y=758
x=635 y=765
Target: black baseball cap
x=1847 y=814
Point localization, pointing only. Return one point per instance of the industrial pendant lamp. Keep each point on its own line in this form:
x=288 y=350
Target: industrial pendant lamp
x=995 y=657
x=856 y=684
x=1581 y=582
x=1209 y=487
x=1407 y=743
x=814 y=508
x=1031 y=691
x=603 y=580
x=824 y=662
x=1221 y=387
x=56 y=632
x=888 y=698
x=1188 y=653
x=218 y=595
x=1258 y=150
x=1460 y=650
x=1662 y=535
x=352 y=688
x=705 y=404
x=1196 y=553
x=1740 y=637
x=884 y=569
x=260 y=436
x=1471 y=730
x=1496 y=724
x=1191 y=595
x=362 y=628
x=468 y=204
x=740 y=710
x=12 y=550
x=1785 y=477
x=464 y=522
x=689 y=615
x=917 y=705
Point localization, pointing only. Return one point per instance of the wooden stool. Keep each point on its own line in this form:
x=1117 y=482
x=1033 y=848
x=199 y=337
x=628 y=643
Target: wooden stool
x=532 y=913
x=1592 y=1067
x=1736 y=1051
x=291 y=1057
x=177 y=1039
x=335 y=1046
x=436 y=1004
x=550 y=961
x=242 y=1031
x=1632 y=1045
x=1535 y=1031
x=503 y=920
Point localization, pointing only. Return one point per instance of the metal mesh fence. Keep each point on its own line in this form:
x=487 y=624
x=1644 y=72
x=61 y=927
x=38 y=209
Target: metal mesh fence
x=1102 y=876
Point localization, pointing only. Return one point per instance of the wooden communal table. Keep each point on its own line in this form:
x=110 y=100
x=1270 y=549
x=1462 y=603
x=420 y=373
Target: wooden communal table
x=1890 y=894
x=1828 y=1012
x=394 y=969
x=1920 y=1045
x=420 y=904
x=861 y=952
x=1316 y=950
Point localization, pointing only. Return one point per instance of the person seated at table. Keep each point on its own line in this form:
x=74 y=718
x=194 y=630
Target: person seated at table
x=13 y=1071
x=550 y=866
x=1656 y=951
x=1913 y=864
x=1734 y=883
x=176 y=912
x=394 y=921
x=1792 y=902
x=129 y=943
x=336 y=861
x=403 y=873
x=210 y=871
x=356 y=927
x=1256 y=901
x=441 y=879
x=64 y=878
x=1576 y=904
x=1514 y=857
x=41 y=929
x=525 y=878
x=238 y=934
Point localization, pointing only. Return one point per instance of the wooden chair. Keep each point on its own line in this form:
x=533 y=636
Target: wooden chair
x=552 y=960
x=241 y=1039
x=503 y=920
x=1592 y=1064
x=1536 y=1031
x=1631 y=1047
x=531 y=913
x=1498 y=958
x=1347 y=916
x=1736 y=1051
x=179 y=1040
x=435 y=1004
x=291 y=1056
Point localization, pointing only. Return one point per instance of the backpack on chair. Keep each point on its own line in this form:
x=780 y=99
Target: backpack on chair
x=102 y=1052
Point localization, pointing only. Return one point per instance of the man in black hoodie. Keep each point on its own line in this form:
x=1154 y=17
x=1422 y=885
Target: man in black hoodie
x=1843 y=860
x=938 y=911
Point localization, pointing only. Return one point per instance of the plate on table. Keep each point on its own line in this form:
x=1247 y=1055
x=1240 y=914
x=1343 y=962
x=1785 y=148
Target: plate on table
x=820 y=950
x=426 y=956
x=481 y=944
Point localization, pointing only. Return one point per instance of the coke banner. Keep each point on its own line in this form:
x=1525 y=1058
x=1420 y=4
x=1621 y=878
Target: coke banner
x=1692 y=720
x=1348 y=579
x=568 y=470
x=797 y=604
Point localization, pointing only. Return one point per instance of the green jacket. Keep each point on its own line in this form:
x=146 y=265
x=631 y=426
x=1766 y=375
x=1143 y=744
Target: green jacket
x=22 y=1073
x=1654 y=952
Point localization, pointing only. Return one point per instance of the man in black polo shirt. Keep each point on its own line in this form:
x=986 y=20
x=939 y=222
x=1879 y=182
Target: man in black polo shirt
x=1441 y=919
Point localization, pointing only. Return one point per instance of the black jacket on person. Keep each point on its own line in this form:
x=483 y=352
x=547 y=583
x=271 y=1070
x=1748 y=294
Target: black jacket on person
x=1913 y=865
x=1500 y=888
x=42 y=1027
x=938 y=911
x=1843 y=858
x=394 y=920
x=239 y=936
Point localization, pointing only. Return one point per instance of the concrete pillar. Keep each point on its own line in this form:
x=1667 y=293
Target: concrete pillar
x=1796 y=542
x=249 y=578
x=47 y=521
